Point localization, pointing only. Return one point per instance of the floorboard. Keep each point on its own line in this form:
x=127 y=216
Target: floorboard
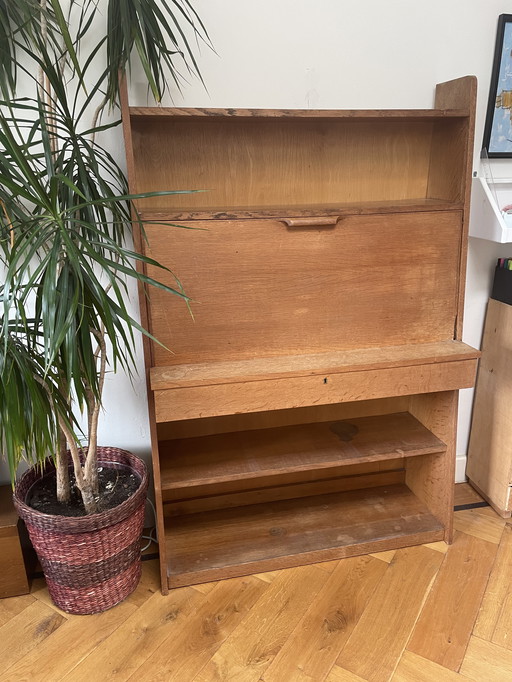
x=433 y=613
x=381 y=634
x=312 y=648
x=443 y=630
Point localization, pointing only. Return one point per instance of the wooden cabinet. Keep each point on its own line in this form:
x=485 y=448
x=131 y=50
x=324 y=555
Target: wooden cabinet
x=13 y=574
x=303 y=406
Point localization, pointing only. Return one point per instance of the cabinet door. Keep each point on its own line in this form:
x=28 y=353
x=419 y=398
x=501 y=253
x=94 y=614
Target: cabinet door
x=260 y=288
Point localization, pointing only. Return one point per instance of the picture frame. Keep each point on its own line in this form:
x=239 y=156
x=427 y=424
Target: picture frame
x=498 y=123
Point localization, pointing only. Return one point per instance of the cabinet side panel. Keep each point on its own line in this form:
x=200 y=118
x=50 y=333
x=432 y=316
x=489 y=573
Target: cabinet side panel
x=461 y=93
x=448 y=158
x=432 y=479
x=146 y=322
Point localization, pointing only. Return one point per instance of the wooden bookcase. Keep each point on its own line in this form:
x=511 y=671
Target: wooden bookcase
x=306 y=409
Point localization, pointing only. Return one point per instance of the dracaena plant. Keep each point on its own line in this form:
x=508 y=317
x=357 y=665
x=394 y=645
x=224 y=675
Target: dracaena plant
x=65 y=217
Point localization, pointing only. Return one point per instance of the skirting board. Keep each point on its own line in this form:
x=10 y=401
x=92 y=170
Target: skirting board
x=460 y=468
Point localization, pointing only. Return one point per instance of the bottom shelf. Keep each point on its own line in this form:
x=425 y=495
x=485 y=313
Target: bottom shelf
x=231 y=542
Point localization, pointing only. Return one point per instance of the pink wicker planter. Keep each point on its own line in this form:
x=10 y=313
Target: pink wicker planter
x=90 y=562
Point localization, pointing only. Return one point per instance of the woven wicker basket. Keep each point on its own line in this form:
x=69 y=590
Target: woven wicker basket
x=90 y=562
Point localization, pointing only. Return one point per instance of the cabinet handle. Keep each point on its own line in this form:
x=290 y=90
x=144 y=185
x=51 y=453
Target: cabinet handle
x=323 y=221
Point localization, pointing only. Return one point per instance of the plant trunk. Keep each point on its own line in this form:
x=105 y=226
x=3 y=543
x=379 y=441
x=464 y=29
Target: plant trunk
x=88 y=489
x=62 y=469
x=87 y=480
x=89 y=499
x=90 y=483
x=91 y=470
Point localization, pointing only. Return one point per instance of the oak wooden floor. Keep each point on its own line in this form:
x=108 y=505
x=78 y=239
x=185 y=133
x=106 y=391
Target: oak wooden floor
x=423 y=614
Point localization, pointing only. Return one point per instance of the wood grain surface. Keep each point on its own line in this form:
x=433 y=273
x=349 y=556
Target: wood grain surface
x=490 y=447
x=254 y=454
x=280 y=394
x=258 y=289
x=13 y=574
x=207 y=546
x=381 y=634
x=444 y=628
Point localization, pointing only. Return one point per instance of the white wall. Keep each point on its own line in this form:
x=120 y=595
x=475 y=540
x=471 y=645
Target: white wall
x=334 y=54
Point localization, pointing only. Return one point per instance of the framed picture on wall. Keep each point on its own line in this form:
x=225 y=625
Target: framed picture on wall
x=498 y=123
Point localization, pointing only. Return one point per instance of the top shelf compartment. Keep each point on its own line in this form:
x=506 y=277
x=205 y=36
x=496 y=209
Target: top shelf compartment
x=260 y=161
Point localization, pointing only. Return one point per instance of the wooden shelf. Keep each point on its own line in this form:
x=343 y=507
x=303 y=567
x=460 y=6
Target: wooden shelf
x=208 y=546
x=400 y=115
x=314 y=364
x=259 y=384
x=211 y=460
x=420 y=204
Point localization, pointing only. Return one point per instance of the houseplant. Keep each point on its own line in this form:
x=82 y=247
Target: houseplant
x=65 y=215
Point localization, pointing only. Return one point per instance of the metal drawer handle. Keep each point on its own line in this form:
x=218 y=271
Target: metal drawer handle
x=323 y=221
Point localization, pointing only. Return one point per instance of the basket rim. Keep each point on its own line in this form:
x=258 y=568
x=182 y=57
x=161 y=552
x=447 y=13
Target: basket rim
x=87 y=522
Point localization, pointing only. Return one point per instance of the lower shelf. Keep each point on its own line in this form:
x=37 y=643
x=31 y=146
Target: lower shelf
x=231 y=542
